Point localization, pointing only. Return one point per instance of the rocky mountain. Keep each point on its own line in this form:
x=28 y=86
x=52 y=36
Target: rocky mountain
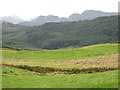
x=86 y=15
x=12 y=19
x=43 y=19
x=91 y=14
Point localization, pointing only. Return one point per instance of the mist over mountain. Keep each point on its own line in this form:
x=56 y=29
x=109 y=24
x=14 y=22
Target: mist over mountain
x=12 y=19
x=86 y=15
x=33 y=18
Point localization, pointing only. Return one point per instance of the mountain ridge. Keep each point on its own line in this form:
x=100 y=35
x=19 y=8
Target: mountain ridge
x=86 y=15
x=12 y=19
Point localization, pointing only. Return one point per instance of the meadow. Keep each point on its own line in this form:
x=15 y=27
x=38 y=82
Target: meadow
x=94 y=66
x=17 y=78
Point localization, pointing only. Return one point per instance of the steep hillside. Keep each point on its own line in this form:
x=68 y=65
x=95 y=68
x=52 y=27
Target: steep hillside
x=13 y=35
x=64 y=34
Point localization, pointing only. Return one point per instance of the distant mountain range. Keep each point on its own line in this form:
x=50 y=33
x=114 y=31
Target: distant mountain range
x=86 y=15
x=90 y=14
x=12 y=19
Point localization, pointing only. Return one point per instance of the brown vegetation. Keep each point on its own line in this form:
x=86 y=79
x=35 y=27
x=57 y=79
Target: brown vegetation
x=45 y=70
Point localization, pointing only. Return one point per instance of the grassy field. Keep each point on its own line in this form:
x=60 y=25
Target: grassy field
x=62 y=68
x=18 y=78
x=62 y=55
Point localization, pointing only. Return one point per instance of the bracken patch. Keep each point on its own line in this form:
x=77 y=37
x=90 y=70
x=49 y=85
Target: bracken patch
x=45 y=70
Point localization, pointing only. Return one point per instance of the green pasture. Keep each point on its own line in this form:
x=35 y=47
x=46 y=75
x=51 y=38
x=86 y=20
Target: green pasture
x=62 y=54
x=18 y=78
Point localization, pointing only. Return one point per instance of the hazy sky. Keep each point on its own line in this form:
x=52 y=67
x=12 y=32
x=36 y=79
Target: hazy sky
x=63 y=8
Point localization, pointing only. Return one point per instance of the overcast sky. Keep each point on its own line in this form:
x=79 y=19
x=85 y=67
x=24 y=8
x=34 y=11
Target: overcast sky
x=63 y=8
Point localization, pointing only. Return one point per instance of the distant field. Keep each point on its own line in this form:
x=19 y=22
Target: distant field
x=62 y=67
x=63 y=54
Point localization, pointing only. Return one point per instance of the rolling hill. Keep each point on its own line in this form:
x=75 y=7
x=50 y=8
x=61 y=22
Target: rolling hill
x=65 y=68
x=62 y=34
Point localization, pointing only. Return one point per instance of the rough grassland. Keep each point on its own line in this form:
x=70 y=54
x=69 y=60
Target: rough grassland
x=96 y=61
x=17 y=78
x=104 y=55
x=62 y=55
x=96 y=56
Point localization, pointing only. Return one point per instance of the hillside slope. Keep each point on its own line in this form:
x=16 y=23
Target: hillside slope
x=65 y=68
x=64 y=34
